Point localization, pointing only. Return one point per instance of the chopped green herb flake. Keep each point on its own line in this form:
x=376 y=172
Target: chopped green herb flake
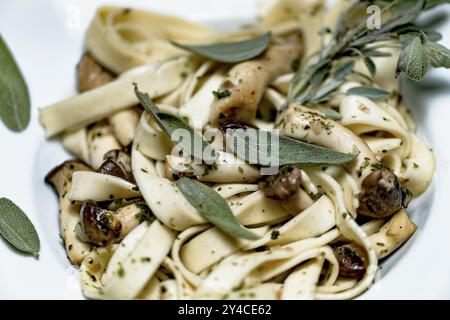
x=222 y=94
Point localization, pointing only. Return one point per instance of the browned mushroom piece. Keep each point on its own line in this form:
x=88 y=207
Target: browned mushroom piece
x=283 y=185
x=247 y=81
x=98 y=226
x=382 y=194
x=353 y=260
x=117 y=163
x=61 y=176
x=61 y=180
x=112 y=168
x=91 y=75
x=121 y=157
x=102 y=227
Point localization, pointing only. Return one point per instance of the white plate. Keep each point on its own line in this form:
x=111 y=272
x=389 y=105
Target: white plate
x=46 y=37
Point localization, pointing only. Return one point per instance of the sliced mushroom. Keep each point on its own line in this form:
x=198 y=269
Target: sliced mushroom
x=283 y=185
x=91 y=75
x=117 y=163
x=382 y=193
x=112 y=168
x=353 y=260
x=61 y=180
x=121 y=157
x=241 y=92
x=102 y=227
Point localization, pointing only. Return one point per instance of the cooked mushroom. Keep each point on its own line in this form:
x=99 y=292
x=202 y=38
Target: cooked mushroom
x=283 y=185
x=382 y=193
x=102 y=227
x=352 y=260
x=91 y=75
x=112 y=168
x=61 y=179
x=117 y=163
x=240 y=93
x=121 y=157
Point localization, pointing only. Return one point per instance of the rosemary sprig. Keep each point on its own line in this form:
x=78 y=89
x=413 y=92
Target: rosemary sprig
x=316 y=83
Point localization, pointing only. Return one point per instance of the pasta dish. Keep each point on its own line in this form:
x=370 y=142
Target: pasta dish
x=144 y=220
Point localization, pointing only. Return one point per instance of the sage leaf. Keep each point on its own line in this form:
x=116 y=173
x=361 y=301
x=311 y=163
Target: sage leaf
x=343 y=70
x=368 y=39
x=211 y=206
x=369 y=92
x=433 y=35
x=414 y=60
x=414 y=30
x=14 y=95
x=327 y=88
x=370 y=65
x=191 y=142
x=402 y=18
x=375 y=53
x=433 y=3
x=439 y=55
x=17 y=229
x=290 y=151
x=231 y=52
x=316 y=80
x=330 y=113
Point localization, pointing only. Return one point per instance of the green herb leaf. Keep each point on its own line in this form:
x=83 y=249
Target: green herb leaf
x=17 y=229
x=402 y=18
x=352 y=38
x=439 y=55
x=369 y=92
x=375 y=53
x=222 y=94
x=433 y=3
x=327 y=88
x=14 y=96
x=433 y=35
x=414 y=60
x=212 y=207
x=370 y=65
x=231 y=52
x=330 y=113
x=169 y=124
x=412 y=30
x=291 y=152
x=368 y=39
x=343 y=70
